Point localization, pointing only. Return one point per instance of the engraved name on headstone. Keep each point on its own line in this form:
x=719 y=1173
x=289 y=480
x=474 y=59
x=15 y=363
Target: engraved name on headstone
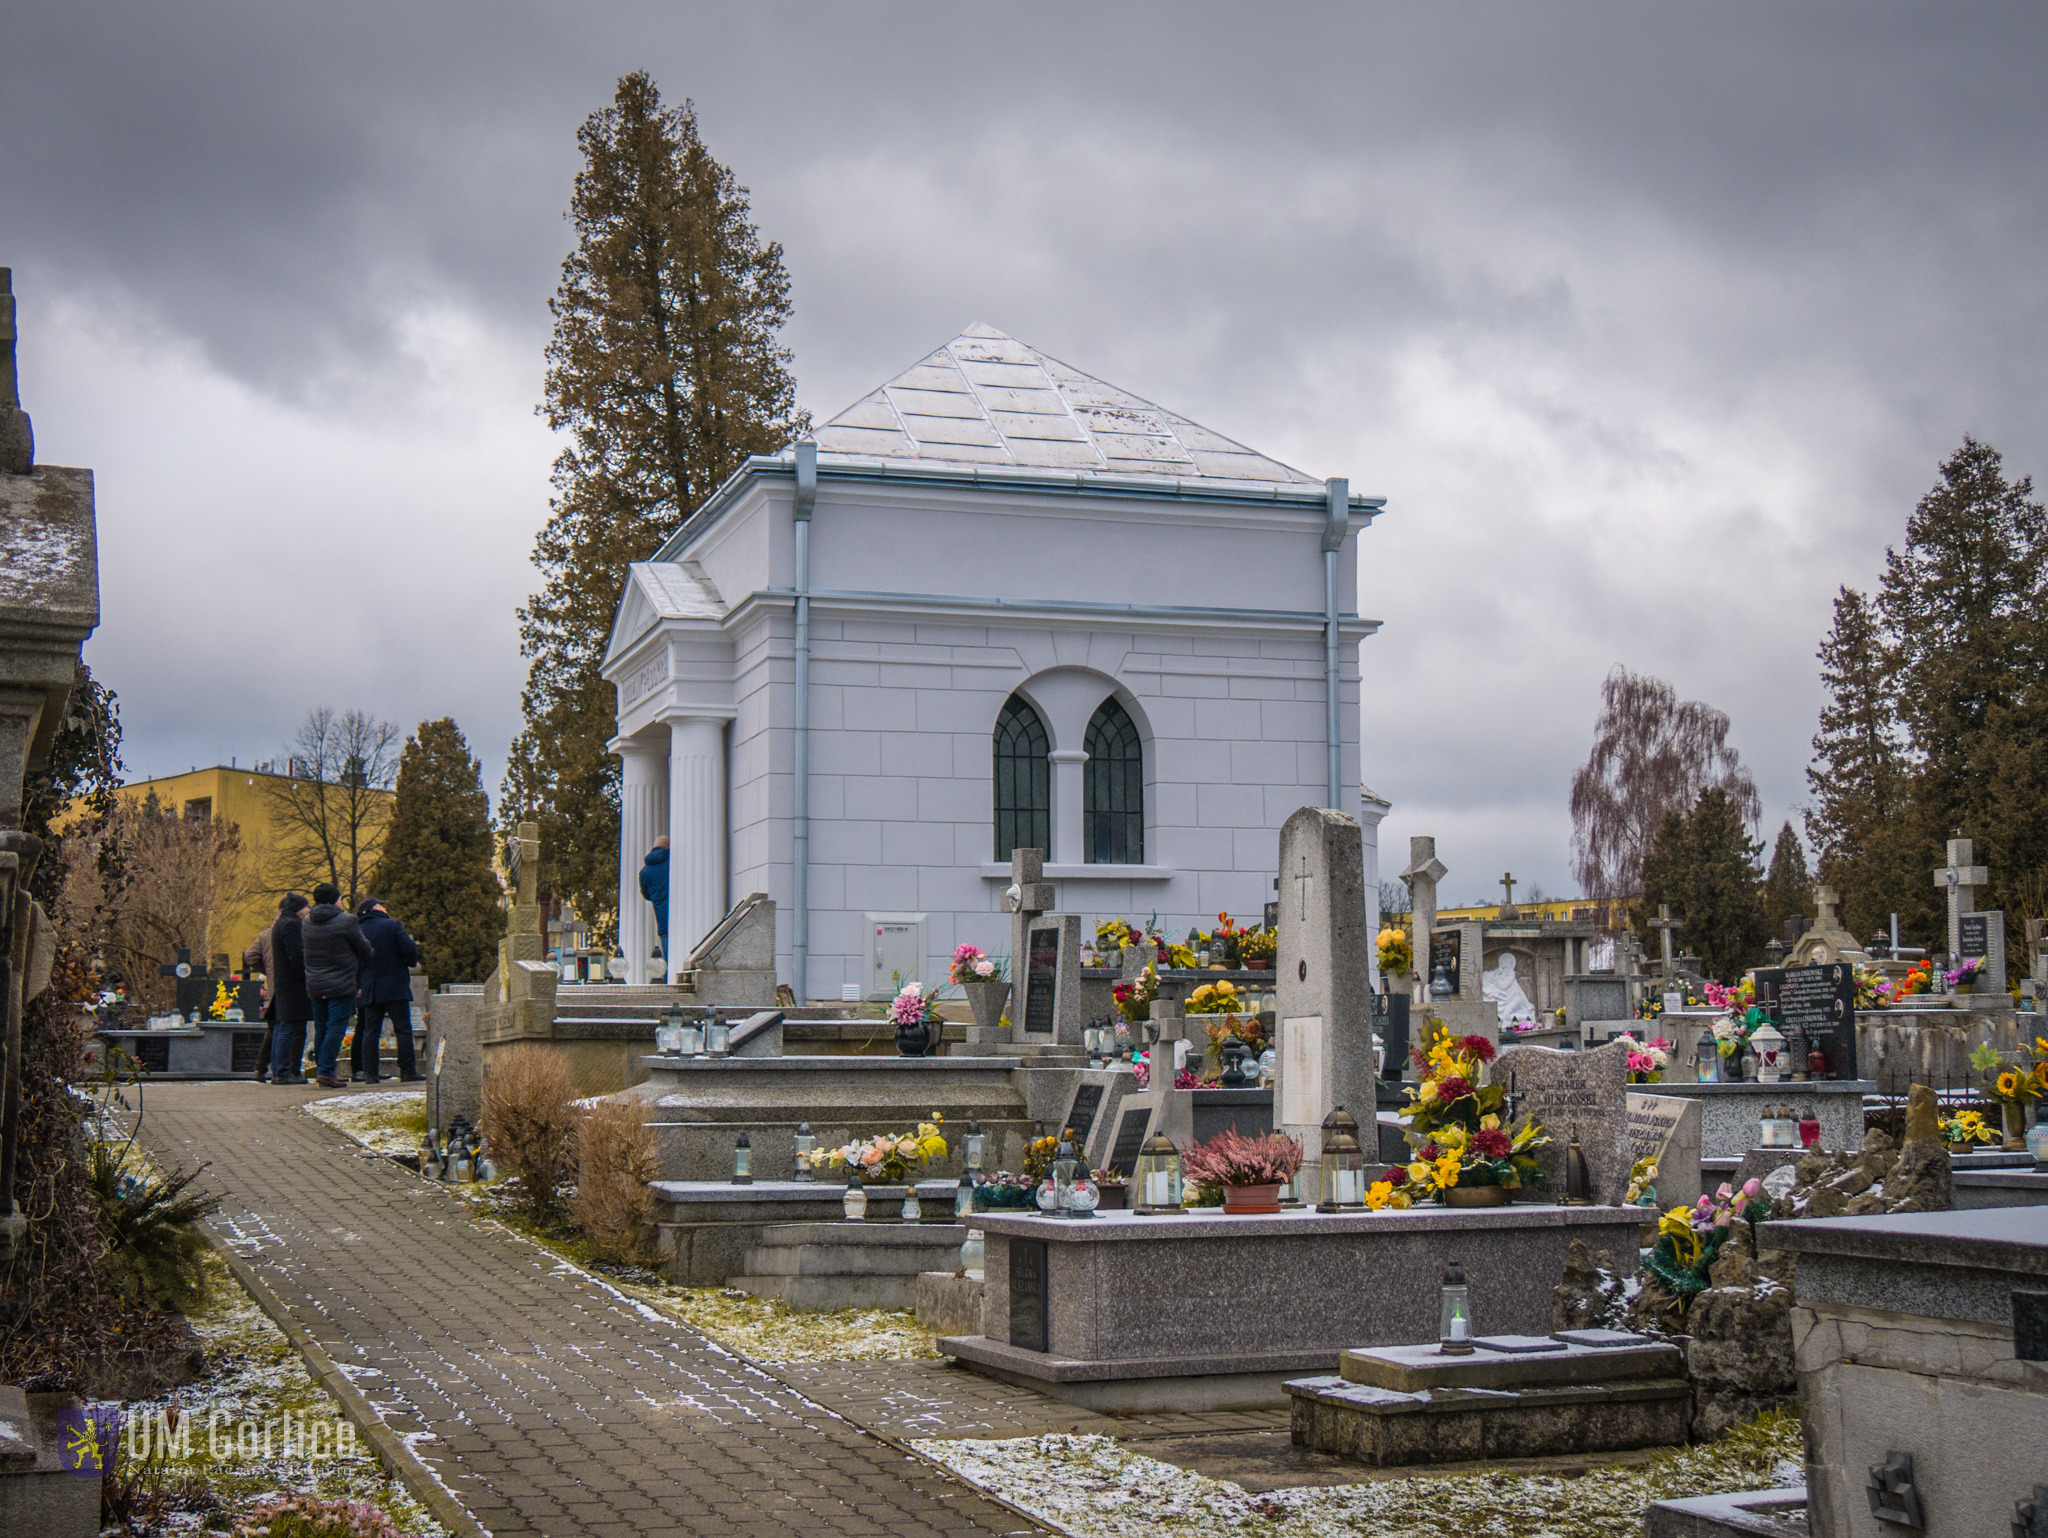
x=1666 y=1130
x=1582 y=1092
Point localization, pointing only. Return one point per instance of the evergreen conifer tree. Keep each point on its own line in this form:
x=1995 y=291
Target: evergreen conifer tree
x=665 y=369
x=1864 y=845
x=435 y=876
x=1703 y=863
x=1963 y=603
x=1788 y=889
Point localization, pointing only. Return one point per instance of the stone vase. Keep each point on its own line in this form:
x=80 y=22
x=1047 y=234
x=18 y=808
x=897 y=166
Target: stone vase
x=1478 y=1196
x=2015 y=1119
x=987 y=1000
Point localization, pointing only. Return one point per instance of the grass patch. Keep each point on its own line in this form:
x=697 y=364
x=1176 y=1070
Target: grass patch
x=384 y=1121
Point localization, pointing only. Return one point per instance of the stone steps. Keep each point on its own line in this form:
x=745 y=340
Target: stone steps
x=848 y=1265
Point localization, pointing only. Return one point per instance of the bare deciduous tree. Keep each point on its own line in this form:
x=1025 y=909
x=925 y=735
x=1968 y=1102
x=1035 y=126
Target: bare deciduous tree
x=1652 y=754
x=185 y=876
x=330 y=812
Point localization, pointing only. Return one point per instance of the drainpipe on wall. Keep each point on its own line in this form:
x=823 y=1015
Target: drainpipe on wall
x=800 y=809
x=1338 y=525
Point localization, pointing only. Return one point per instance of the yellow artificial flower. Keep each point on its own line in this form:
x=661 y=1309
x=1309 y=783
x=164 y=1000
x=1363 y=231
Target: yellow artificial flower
x=1378 y=1194
x=1428 y=1091
x=1489 y=1123
x=1421 y=1173
x=2008 y=1084
x=1447 y=1171
x=1684 y=1242
x=1451 y=1135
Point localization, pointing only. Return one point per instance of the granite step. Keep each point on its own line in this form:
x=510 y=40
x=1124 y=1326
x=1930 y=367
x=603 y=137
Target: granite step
x=848 y=1265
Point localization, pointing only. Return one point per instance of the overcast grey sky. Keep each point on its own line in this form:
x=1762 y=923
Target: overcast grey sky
x=1651 y=322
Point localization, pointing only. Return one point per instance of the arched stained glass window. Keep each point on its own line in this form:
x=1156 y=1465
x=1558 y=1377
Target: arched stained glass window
x=1113 y=789
x=1023 y=776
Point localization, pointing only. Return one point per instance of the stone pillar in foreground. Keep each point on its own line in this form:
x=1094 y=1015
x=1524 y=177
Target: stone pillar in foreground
x=643 y=817
x=696 y=832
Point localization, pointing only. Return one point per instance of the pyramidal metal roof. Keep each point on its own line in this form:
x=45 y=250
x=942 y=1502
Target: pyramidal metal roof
x=988 y=399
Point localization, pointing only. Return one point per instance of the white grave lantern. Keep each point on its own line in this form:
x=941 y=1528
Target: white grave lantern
x=1454 y=1323
x=1158 y=1187
x=1768 y=1043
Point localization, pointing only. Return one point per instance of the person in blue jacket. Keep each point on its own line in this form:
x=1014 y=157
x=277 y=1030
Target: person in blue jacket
x=654 y=887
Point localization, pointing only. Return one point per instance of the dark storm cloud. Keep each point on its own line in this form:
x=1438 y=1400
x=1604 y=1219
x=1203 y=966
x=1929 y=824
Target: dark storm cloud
x=1651 y=320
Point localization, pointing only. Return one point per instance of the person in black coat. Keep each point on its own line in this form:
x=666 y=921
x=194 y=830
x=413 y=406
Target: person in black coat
x=386 y=992
x=336 y=954
x=288 y=998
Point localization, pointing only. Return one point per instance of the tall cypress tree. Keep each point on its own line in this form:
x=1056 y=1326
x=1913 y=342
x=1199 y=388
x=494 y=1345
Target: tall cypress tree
x=665 y=369
x=1963 y=602
x=1859 y=820
x=436 y=875
x=1788 y=889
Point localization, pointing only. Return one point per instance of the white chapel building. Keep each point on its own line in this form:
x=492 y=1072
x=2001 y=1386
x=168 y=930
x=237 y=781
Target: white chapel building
x=994 y=604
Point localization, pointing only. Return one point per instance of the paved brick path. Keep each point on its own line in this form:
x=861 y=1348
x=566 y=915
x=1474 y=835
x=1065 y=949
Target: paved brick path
x=554 y=1405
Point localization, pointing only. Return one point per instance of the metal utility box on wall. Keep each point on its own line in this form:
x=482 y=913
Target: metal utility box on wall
x=895 y=953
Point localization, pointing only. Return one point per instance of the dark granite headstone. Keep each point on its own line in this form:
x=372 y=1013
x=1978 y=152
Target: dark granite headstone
x=153 y=1055
x=1081 y=1114
x=1029 y=1301
x=245 y=1051
x=1041 y=978
x=1446 y=954
x=1821 y=1003
x=1130 y=1141
x=2030 y=1326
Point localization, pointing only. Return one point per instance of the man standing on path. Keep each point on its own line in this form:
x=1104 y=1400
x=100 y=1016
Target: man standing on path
x=288 y=1000
x=257 y=959
x=336 y=953
x=387 y=992
x=654 y=887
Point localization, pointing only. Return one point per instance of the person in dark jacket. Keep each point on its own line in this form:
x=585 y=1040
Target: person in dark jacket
x=386 y=992
x=288 y=998
x=360 y=1036
x=336 y=953
x=256 y=959
x=654 y=887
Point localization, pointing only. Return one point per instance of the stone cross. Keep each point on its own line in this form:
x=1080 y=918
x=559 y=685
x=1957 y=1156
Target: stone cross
x=1424 y=871
x=1664 y=923
x=1508 y=911
x=526 y=937
x=1323 y=984
x=1827 y=897
x=1028 y=896
x=1961 y=880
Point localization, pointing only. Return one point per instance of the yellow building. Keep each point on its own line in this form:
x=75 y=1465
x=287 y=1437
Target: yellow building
x=246 y=798
x=1568 y=909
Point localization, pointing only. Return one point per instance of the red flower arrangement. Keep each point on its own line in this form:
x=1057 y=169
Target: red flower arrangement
x=1492 y=1142
x=1477 y=1046
x=1452 y=1090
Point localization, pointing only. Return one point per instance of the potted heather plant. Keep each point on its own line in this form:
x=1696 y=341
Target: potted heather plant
x=1251 y=1170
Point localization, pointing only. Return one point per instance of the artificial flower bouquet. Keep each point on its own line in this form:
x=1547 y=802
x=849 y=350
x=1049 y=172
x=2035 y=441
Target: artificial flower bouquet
x=886 y=1158
x=1245 y=1028
x=971 y=964
x=1967 y=1129
x=1689 y=1239
x=1134 y=999
x=914 y=1004
x=2013 y=1085
x=1255 y=946
x=1185 y=1078
x=1216 y=999
x=1647 y=1060
x=1455 y=1123
x=1397 y=956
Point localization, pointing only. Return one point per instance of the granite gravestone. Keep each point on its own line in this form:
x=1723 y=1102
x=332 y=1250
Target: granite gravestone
x=1051 y=981
x=1982 y=939
x=1323 y=981
x=1819 y=1002
x=1582 y=1094
x=1130 y=1138
x=1446 y=958
x=1666 y=1130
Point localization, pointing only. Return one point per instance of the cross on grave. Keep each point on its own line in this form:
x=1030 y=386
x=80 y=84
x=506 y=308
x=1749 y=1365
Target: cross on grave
x=193 y=992
x=1027 y=897
x=1664 y=923
x=1827 y=898
x=1301 y=886
x=1961 y=879
x=1424 y=871
x=1508 y=910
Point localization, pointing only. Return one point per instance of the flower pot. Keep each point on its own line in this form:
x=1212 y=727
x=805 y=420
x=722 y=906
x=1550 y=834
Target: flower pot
x=987 y=1000
x=1113 y=1197
x=2015 y=1119
x=1238 y=1200
x=1263 y=964
x=1479 y=1196
x=913 y=1040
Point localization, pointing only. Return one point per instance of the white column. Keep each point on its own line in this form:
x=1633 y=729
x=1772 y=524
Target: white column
x=1371 y=810
x=1068 y=836
x=696 y=832
x=643 y=817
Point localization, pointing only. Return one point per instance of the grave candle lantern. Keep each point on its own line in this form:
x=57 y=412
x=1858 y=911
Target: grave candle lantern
x=963 y=1198
x=1768 y=1043
x=1706 y=1060
x=911 y=1211
x=1454 y=1326
x=1809 y=1128
x=1063 y=1178
x=805 y=1141
x=1343 y=1164
x=1158 y=1178
x=669 y=1038
x=856 y=1200
x=691 y=1042
x=717 y=1037
x=1794 y=1061
x=743 y=1161
x=975 y=1144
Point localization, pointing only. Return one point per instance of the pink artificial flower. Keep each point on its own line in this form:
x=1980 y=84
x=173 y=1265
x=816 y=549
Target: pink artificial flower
x=984 y=968
x=1751 y=1186
x=966 y=953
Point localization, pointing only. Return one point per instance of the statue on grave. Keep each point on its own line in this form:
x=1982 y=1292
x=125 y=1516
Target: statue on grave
x=1500 y=985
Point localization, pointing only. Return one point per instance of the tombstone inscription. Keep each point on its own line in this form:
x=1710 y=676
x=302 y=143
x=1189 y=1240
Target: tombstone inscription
x=1081 y=1114
x=1446 y=952
x=1982 y=939
x=1130 y=1141
x=1028 y=1294
x=1666 y=1130
x=1574 y=1093
x=1041 y=981
x=1821 y=1003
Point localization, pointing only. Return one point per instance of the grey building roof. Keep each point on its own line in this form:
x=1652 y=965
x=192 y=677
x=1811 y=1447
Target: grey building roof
x=988 y=399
